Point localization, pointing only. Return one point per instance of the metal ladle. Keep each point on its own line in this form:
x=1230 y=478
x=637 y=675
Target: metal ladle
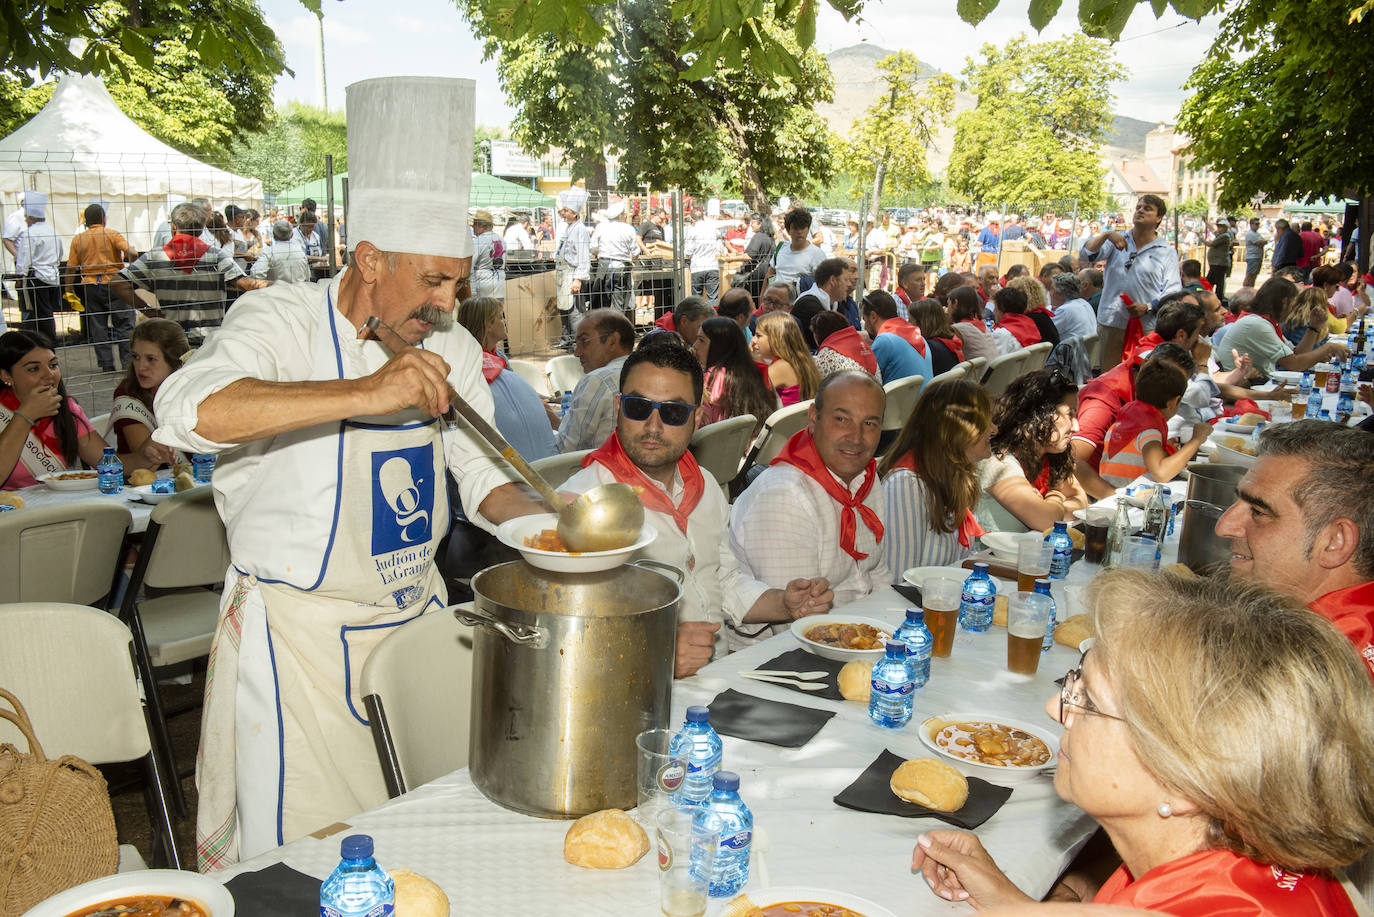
x=604 y=518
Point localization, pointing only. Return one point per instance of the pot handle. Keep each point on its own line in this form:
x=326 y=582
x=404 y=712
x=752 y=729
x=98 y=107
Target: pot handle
x=521 y=634
x=659 y=566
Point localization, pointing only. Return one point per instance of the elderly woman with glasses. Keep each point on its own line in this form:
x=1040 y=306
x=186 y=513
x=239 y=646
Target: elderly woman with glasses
x=1223 y=736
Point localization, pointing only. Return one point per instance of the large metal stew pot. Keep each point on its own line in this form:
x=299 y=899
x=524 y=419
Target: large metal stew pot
x=567 y=669
x=1211 y=491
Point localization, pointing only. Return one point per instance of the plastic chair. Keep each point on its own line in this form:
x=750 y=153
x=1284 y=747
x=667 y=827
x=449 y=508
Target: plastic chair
x=558 y=468
x=100 y=423
x=1035 y=356
x=901 y=398
x=70 y=666
x=184 y=551
x=532 y=374
x=1090 y=345
x=977 y=367
x=720 y=447
x=64 y=553
x=563 y=373
x=417 y=689
x=780 y=426
x=1002 y=371
x=957 y=371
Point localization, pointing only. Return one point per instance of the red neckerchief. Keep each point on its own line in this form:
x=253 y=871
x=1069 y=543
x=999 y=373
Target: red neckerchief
x=1352 y=611
x=1272 y=324
x=665 y=321
x=955 y=345
x=1022 y=327
x=1135 y=418
x=847 y=342
x=800 y=452
x=44 y=429
x=1135 y=330
x=1042 y=480
x=906 y=331
x=969 y=528
x=906 y=300
x=1205 y=284
x=1143 y=346
x=612 y=455
x=492 y=364
x=185 y=251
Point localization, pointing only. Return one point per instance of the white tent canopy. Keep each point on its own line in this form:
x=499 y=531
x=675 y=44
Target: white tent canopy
x=81 y=148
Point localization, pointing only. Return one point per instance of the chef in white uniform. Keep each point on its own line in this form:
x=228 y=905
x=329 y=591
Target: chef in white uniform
x=331 y=478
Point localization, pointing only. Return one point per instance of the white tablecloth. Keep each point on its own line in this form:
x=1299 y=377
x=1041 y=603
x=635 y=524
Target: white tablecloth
x=43 y=495
x=490 y=860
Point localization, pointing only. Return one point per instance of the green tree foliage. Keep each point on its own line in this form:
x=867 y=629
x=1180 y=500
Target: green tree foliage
x=1195 y=206
x=1275 y=107
x=1043 y=109
x=292 y=151
x=889 y=142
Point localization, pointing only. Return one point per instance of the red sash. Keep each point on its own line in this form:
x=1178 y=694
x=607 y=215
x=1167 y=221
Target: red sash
x=665 y=321
x=955 y=345
x=492 y=364
x=185 y=251
x=800 y=452
x=1144 y=345
x=906 y=300
x=44 y=429
x=849 y=343
x=1022 y=328
x=1134 y=331
x=1042 y=480
x=1352 y=611
x=612 y=455
x=906 y=331
x=1135 y=418
x=969 y=528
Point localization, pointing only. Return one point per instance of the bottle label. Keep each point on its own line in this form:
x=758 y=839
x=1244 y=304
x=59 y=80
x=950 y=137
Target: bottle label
x=737 y=841
x=695 y=767
x=670 y=776
x=901 y=690
x=377 y=910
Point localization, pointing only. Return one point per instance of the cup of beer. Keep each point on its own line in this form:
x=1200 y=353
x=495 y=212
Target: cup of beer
x=1096 y=524
x=940 y=596
x=1032 y=560
x=1321 y=371
x=1299 y=405
x=1028 y=615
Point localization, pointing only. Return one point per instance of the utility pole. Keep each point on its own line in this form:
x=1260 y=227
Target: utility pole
x=321 y=89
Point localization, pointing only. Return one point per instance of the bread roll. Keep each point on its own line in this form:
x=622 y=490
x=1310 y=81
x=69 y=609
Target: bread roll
x=1250 y=418
x=1075 y=535
x=856 y=680
x=1074 y=631
x=1000 y=605
x=1233 y=443
x=184 y=481
x=141 y=476
x=417 y=896
x=11 y=499
x=931 y=783
x=608 y=839
x=181 y=468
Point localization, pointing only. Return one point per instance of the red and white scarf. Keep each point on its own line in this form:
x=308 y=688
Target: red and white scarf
x=800 y=452
x=906 y=331
x=613 y=456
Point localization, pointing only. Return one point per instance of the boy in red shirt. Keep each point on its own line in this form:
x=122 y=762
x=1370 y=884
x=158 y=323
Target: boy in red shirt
x=1138 y=442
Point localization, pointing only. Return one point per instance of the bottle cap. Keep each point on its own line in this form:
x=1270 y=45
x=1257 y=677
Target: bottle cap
x=1042 y=583
x=698 y=714
x=915 y=614
x=726 y=780
x=356 y=847
x=1061 y=526
x=896 y=646
x=980 y=566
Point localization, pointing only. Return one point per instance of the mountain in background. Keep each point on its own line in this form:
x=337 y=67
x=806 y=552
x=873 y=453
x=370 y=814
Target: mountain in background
x=857 y=85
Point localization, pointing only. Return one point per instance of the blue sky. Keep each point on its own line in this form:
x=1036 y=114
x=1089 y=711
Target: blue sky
x=430 y=38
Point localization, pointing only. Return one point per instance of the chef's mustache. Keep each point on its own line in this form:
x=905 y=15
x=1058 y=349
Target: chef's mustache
x=432 y=315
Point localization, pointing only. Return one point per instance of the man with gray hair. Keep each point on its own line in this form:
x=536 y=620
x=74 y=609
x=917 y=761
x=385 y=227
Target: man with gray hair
x=1073 y=315
x=187 y=275
x=285 y=260
x=164 y=232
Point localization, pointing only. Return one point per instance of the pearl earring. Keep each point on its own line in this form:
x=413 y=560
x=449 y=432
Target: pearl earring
x=1165 y=810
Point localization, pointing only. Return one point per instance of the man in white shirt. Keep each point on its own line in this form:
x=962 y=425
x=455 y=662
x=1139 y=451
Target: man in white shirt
x=517 y=235
x=284 y=260
x=817 y=511
x=1073 y=315
x=38 y=251
x=617 y=248
x=604 y=339
x=799 y=257
x=702 y=244
x=660 y=390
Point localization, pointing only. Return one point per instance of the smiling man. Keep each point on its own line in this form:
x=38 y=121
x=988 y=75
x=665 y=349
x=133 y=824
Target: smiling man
x=331 y=480
x=818 y=509
x=1303 y=523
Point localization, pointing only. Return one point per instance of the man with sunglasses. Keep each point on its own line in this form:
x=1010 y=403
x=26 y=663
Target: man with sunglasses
x=604 y=339
x=1139 y=266
x=656 y=415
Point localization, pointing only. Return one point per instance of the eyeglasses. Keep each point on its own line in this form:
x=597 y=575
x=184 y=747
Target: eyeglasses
x=1130 y=259
x=1071 y=699
x=672 y=413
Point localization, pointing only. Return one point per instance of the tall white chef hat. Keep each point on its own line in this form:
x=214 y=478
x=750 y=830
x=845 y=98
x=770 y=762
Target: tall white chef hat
x=614 y=211
x=572 y=199
x=410 y=164
x=35 y=204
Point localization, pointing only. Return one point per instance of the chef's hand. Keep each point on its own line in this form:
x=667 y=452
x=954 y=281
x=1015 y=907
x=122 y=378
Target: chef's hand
x=696 y=641
x=155 y=454
x=957 y=868
x=41 y=402
x=805 y=597
x=413 y=378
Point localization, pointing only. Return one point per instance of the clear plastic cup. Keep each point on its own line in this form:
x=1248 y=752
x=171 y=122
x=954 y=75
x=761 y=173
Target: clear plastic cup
x=659 y=775
x=686 y=842
x=1028 y=615
x=940 y=597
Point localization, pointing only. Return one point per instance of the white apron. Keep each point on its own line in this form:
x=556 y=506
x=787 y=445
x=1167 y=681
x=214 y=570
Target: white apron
x=285 y=746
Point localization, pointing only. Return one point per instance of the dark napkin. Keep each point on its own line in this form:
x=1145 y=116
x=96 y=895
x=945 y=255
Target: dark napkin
x=800 y=660
x=908 y=592
x=872 y=792
x=759 y=720
x=277 y=891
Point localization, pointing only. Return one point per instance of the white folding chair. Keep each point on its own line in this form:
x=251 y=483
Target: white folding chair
x=977 y=368
x=901 y=398
x=70 y=667
x=780 y=426
x=563 y=373
x=720 y=447
x=558 y=468
x=532 y=374
x=100 y=423
x=417 y=689
x=1035 y=356
x=957 y=371
x=1002 y=371
x=66 y=553
x=1090 y=346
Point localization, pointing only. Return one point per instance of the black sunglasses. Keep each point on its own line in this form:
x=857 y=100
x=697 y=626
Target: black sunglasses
x=1130 y=259
x=672 y=413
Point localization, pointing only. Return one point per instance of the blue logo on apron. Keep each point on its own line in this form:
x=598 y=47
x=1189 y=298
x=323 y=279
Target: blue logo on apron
x=402 y=498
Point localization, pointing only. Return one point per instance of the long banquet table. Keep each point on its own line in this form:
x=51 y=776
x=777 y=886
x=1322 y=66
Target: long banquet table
x=492 y=860
x=43 y=495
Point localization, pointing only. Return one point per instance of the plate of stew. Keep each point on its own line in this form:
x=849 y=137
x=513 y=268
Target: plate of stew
x=800 y=901
x=145 y=893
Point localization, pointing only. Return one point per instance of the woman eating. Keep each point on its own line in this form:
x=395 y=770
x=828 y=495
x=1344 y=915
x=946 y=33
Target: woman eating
x=1223 y=736
x=1030 y=476
x=734 y=386
x=842 y=347
x=157 y=347
x=42 y=430
x=519 y=411
x=792 y=372
x=930 y=476
x=946 y=347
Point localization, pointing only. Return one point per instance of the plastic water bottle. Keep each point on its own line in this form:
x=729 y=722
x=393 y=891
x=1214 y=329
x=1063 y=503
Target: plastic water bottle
x=1042 y=587
x=565 y=404
x=698 y=743
x=892 y=697
x=1305 y=383
x=1359 y=361
x=919 y=642
x=731 y=870
x=1062 y=544
x=357 y=887
x=203 y=466
x=1314 y=402
x=109 y=472
x=1324 y=414
x=1345 y=401
x=975 y=605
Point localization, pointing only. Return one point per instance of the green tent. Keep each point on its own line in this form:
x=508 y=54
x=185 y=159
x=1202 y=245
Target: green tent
x=487 y=191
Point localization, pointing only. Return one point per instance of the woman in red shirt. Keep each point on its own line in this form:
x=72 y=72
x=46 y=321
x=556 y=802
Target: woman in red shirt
x=1223 y=736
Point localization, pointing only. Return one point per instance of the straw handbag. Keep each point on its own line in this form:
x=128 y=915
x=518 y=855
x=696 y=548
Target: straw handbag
x=56 y=826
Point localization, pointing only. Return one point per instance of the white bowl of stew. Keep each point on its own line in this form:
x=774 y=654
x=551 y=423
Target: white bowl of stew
x=183 y=894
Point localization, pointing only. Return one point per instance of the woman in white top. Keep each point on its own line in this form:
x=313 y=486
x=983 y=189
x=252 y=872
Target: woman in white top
x=930 y=479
